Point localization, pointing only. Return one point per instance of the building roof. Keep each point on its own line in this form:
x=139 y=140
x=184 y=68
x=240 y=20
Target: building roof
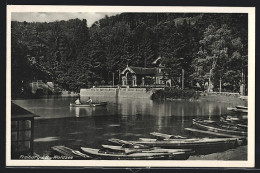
x=155 y=61
x=144 y=71
x=19 y=112
x=141 y=70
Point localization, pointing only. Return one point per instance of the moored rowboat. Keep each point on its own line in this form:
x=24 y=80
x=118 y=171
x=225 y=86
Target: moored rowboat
x=68 y=152
x=237 y=110
x=184 y=143
x=221 y=124
x=219 y=129
x=99 y=154
x=243 y=126
x=242 y=107
x=166 y=136
x=242 y=138
x=181 y=154
x=145 y=150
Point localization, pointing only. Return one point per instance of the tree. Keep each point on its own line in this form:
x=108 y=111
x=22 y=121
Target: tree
x=220 y=58
x=74 y=55
x=213 y=52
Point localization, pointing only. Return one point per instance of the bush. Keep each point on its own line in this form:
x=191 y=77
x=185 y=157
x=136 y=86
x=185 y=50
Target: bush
x=102 y=82
x=175 y=93
x=96 y=83
x=148 y=89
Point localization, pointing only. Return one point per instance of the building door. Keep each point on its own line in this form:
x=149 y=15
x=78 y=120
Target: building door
x=128 y=78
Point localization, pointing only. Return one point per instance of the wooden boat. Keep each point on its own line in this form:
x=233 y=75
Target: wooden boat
x=222 y=124
x=150 y=139
x=242 y=107
x=244 y=126
x=68 y=152
x=237 y=119
x=99 y=154
x=166 y=136
x=181 y=154
x=128 y=144
x=242 y=120
x=215 y=133
x=88 y=105
x=219 y=129
x=184 y=143
x=145 y=150
x=237 y=110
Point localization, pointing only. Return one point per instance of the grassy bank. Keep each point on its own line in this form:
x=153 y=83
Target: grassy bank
x=224 y=98
x=239 y=153
x=186 y=94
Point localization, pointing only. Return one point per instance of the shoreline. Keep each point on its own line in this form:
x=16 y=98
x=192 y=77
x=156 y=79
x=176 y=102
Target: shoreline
x=239 y=153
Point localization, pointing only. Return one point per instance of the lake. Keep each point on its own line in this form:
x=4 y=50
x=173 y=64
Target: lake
x=124 y=118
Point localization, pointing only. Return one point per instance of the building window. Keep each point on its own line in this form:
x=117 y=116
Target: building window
x=21 y=137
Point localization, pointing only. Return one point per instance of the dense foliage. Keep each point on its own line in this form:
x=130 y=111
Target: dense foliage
x=209 y=47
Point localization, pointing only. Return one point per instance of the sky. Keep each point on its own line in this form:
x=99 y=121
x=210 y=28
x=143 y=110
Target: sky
x=91 y=17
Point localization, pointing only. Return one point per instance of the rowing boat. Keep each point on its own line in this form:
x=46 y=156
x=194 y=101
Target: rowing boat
x=242 y=107
x=99 y=154
x=145 y=150
x=180 y=140
x=222 y=124
x=166 y=136
x=181 y=154
x=88 y=105
x=219 y=129
x=237 y=110
x=244 y=126
x=194 y=143
x=70 y=153
x=210 y=133
x=237 y=120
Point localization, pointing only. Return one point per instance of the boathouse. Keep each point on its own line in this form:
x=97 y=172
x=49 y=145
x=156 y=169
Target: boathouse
x=22 y=129
x=141 y=76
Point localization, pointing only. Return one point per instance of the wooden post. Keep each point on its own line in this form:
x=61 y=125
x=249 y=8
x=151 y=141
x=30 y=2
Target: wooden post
x=118 y=76
x=155 y=81
x=32 y=136
x=113 y=79
x=182 y=78
x=243 y=84
x=220 y=85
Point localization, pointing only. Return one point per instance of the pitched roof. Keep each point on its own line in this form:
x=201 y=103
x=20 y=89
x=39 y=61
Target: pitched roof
x=155 y=61
x=144 y=71
x=19 y=112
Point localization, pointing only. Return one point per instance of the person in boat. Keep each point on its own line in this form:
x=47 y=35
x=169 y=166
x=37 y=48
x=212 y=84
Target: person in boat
x=89 y=101
x=77 y=102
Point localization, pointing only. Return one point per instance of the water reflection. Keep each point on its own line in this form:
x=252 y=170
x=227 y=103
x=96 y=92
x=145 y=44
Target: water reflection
x=125 y=118
x=59 y=108
x=82 y=111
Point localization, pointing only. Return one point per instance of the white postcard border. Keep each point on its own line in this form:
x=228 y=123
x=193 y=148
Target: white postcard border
x=112 y=163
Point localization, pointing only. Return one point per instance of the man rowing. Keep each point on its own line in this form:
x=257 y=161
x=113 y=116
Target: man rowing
x=89 y=101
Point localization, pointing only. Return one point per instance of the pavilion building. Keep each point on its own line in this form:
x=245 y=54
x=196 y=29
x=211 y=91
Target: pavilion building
x=140 y=76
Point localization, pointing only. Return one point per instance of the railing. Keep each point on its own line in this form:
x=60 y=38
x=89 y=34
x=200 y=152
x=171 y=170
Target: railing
x=121 y=89
x=130 y=86
x=224 y=93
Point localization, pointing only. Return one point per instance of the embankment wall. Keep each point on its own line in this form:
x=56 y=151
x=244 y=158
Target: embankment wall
x=116 y=92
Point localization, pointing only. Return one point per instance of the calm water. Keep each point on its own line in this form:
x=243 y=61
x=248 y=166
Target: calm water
x=124 y=118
